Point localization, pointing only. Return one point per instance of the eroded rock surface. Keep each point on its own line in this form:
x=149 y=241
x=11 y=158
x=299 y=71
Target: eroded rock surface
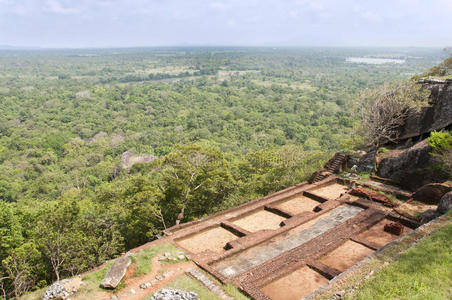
x=410 y=168
x=431 y=193
x=128 y=159
x=436 y=116
x=445 y=203
x=172 y=294
x=116 y=273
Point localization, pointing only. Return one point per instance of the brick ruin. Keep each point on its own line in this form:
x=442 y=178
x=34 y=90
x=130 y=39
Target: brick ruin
x=290 y=243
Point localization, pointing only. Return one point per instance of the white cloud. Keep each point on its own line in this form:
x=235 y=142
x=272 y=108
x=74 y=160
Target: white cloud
x=54 y=6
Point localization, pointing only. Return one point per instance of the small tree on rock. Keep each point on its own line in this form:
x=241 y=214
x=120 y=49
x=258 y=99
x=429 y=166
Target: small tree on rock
x=384 y=111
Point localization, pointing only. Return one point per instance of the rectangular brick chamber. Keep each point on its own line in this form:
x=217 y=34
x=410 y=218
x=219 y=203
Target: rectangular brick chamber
x=213 y=239
x=297 y=204
x=295 y=285
x=331 y=191
x=377 y=235
x=259 y=220
x=346 y=255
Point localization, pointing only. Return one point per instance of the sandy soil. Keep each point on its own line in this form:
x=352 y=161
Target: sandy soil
x=377 y=235
x=346 y=255
x=259 y=220
x=331 y=191
x=414 y=208
x=134 y=283
x=298 y=204
x=213 y=239
x=296 y=285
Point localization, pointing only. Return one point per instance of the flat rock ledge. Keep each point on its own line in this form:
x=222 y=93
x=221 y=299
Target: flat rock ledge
x=116 y=273
x=172 y=294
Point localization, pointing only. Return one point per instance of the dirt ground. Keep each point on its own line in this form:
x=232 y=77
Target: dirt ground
x=296 y=285
x=331 y=191
x=298 y=204
x=213 y=239
x=346 y=255
x=259 y=220
x=134 y=283
x=377 y=235
x=414 y=208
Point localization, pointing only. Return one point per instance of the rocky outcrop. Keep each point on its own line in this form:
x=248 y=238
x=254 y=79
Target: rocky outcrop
x=128 y=159
x=445 y=203
x=431 y=193
x=116 y=273
x=63 y=289
x=410 y=168
x=436 y=116
x=172 y=294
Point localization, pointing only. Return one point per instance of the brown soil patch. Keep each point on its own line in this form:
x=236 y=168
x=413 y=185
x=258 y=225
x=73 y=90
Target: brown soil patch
x=212 y=239
x=298 y=204
x=414 y=208
x=331 y=191
x=346 y=255
x=295 y=285
x=377 y=235
x=259 y=220
x=134 y=283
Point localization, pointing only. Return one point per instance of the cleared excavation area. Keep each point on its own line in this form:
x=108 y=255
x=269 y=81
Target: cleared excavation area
x=377 y=235
x=298 y=204
x=346 y=255
x=244 y=261
x=212 y=239
x=288 y=245
x=259 y=220
x=331 y=191
x=295 y=285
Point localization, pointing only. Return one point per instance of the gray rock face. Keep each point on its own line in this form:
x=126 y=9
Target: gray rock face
x=428 y=215
x=445 y=203
x=172 y=294
x=116 y=273
x=431 y=193
x=62 y=289
x=128 y=159
x=434 y=117
x=410 y=168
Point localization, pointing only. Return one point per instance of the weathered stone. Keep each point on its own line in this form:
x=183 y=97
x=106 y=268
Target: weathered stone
x=428 y=215
x=431 y=193
x=445 y=203
x=116 y=273
x=410 y=168
x=436 y=116
x=172 y=294
x=128 y=159
x=394 y=228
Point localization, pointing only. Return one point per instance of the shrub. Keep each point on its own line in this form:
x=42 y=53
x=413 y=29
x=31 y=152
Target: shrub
x=440 y=141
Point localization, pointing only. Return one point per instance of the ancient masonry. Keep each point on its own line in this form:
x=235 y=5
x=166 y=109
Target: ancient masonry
x=290 y=243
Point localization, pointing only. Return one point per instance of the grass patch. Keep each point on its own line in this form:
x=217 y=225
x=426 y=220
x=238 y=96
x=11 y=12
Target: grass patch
x=232 y=291
x=187 y=283
x=142 y=259
x=423 y=272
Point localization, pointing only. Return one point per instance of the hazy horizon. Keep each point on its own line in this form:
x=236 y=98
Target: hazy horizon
x=250 y=23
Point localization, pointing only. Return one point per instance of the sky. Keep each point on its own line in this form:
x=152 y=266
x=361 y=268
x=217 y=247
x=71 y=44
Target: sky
x=137 y=23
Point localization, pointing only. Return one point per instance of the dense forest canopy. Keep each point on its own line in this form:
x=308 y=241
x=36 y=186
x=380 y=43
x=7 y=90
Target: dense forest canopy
x=226 y=125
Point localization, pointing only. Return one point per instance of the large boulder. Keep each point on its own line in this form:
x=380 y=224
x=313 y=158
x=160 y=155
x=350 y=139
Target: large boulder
x=445 y=203
x=411 y=168
x=431 y=193
x=116 y=273
x=128 y=159
x=436 y=116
